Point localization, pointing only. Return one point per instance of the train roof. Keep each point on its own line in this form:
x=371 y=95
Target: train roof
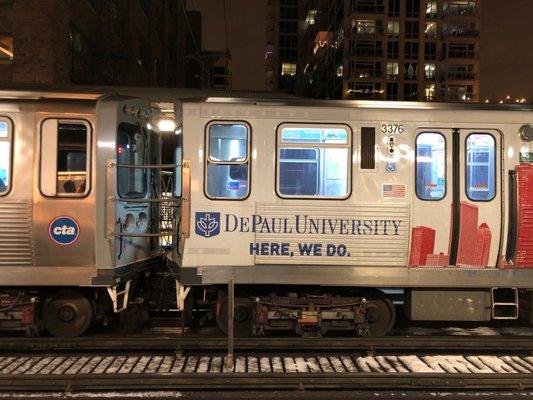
x=93 y=93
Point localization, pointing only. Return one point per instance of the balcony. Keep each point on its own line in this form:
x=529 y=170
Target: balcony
x=367 y=7
x=365 y=74
x=454 y=96
x=367 y=52
x=460 y=76
x=459 y=33
x=459 y=54
x=460 y=9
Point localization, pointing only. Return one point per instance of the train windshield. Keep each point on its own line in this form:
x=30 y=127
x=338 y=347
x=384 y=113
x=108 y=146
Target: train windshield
x=131 y=152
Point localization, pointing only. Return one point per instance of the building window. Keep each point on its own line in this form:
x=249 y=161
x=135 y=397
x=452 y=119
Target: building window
x=132 y=151
x=393 y=29
x=411 y=50
x=288 y=26
x=392 y=91
x=394 y=8
x=411 y=29
x=392 y=70
x=392 y=50
x=6 y=138
x=228 y=162
x=431 y=30
x=6 y=49
x=365 y=69
x=480 y=167
x=366 y=26
x=430 y=166
x=142 y=55
x=431 y=9
x=410 y=71
x=412 y=8
x=311 y=16
x=429 y=71
x=429 y=92
x=314 y=161
x=64 y=160
x=410 y=91
x=288 y=69
x=430 y=50
x=365 y=48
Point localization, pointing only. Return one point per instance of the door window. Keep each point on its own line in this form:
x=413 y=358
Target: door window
x=480 y=167
x=5 y=156
x=132 y=152
x=64 y=158
x=430 y=166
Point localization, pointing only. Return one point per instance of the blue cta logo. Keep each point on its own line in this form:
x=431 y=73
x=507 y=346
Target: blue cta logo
x=207 y=224
x=64 y=230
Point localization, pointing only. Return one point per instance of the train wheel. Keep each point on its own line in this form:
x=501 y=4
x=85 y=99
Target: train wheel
x=67 y=313
x=380 y=314
x=243 y=320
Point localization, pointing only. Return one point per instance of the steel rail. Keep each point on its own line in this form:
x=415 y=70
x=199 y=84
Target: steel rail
x=158 y=342
x=294 y=381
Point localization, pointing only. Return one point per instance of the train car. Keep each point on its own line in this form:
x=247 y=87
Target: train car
x=80 y=207
x=322 y=213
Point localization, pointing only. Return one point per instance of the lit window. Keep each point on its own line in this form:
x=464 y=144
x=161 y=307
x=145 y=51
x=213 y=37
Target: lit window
x=392 y=70
x=5 y=155
x=6 y=49
x=429 y=92
x=431 y=9
x=313 y=161
x=431 y=29
x=393 y=28
x=311 y=15
x=430 y=166
x=429 y=71
x=288 y=69
x=364 y=26
x=228 y=161
x=64 y=160
x=480 y=167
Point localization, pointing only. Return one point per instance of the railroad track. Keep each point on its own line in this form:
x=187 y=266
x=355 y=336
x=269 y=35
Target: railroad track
x=267 y=371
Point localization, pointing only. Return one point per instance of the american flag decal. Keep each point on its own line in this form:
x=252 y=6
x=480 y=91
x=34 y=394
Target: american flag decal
x=389 y=190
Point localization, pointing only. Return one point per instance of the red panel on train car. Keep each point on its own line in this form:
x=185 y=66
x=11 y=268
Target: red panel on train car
x=524 y=248
x=422 y=244
x=482 y=250
x=437 y=260
x=467 y=234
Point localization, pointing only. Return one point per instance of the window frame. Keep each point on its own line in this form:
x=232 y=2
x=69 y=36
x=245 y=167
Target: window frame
x=495 y=180
x=348 y=146
x=88 y=179
x=246 y=161
x=11 y=140
x=445 y=165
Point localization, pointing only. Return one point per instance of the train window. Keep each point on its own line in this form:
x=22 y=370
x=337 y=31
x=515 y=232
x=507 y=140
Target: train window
x=480 y=167
x=5 y=156
x=430 y=166
x=228 y=161
x=313 y=161
x=132 y=151
x=64 y=158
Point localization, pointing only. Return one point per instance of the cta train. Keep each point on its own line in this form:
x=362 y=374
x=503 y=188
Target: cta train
x=321 y=215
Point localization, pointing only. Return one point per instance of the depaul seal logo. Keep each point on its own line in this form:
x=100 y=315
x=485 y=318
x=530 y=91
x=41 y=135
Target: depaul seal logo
x=64 y=230
x=207 y=224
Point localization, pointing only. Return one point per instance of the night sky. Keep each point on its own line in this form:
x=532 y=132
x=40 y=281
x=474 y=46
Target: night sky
x=506 y=57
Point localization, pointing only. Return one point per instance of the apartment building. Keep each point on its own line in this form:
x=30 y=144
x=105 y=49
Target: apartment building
x=423 y=50
x=100 y=42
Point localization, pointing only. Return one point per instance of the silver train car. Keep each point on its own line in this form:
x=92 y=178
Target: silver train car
x=81 y=203
x=322 y=214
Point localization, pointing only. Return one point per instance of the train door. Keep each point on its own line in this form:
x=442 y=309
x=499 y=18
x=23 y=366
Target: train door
x=457 y=204
x=64 y=206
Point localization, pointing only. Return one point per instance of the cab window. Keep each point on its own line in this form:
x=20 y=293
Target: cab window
x=64 y=158
x=5 y=155
x=132 y=152
x=228 y=166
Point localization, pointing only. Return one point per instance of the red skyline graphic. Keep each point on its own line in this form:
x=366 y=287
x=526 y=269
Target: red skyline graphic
x=474 y=242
